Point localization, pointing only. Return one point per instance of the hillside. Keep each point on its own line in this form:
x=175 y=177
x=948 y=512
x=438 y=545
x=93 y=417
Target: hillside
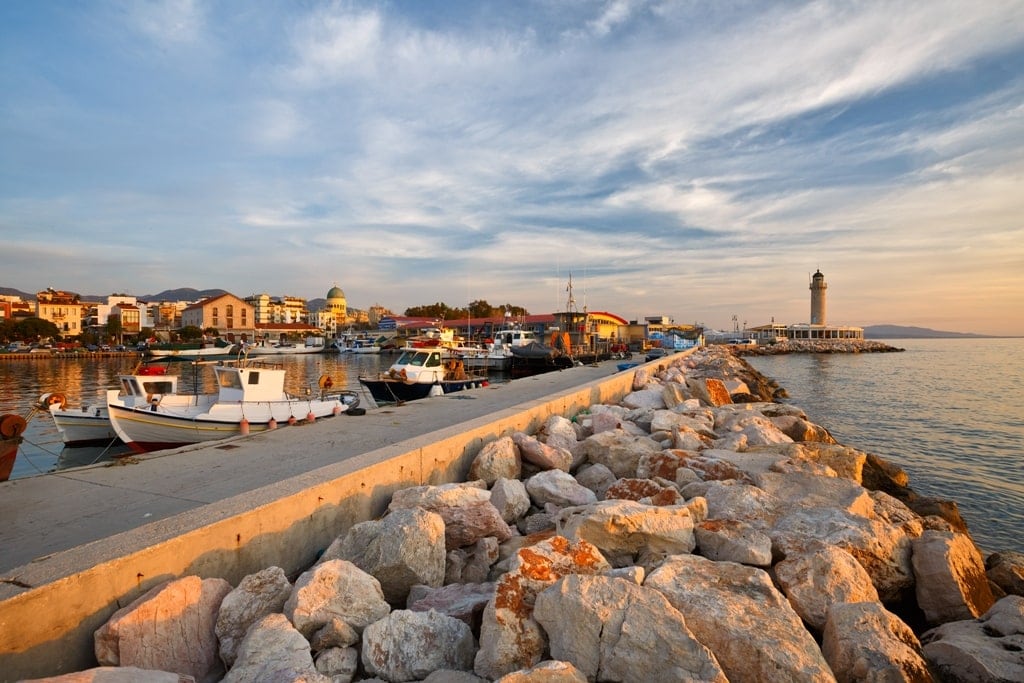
x=908 y=332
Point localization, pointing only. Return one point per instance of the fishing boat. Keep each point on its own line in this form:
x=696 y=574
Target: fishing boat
x=11 y=429
x=218 y=347
x=495 y=353
x=286 y=348
x=87 y=425
x=419 y=373
x=148 y=414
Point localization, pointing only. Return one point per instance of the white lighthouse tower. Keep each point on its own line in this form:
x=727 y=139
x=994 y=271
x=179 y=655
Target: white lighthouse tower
x=818 y=288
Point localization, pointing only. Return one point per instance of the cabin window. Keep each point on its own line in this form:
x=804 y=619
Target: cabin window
x=254 y=378
x=419 y=359
x=434 y=360
x=158 y=387
x=229 y=380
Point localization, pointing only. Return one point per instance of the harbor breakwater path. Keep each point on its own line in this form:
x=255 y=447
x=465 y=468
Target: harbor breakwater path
x=689 y=529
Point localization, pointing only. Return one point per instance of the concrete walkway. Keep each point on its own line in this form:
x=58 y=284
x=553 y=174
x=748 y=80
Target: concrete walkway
x=55 y=512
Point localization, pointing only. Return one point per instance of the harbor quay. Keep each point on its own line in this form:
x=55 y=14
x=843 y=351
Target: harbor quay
x=668 y=521
x=82 y=543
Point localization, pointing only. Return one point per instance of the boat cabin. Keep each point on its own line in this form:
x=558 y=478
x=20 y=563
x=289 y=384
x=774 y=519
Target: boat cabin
x=248 y=384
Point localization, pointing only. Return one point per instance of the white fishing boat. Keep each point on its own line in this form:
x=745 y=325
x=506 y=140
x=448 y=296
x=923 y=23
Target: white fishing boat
x=148 y=414
x=495 y=353
x=286 y=348
x=218 y=347
x=87 y=425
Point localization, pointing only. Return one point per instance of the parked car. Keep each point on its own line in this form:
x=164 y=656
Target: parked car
x=120 y=347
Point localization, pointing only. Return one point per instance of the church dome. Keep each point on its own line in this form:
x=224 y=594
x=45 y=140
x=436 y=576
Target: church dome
x=335 y=293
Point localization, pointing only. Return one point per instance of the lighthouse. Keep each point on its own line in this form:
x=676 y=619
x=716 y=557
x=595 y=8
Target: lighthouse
x=818 y=288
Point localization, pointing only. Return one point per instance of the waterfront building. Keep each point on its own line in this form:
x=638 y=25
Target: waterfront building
x=285 y=309
x=337 y=306
x=818 y=329
x=226 y=313
x=63 y=309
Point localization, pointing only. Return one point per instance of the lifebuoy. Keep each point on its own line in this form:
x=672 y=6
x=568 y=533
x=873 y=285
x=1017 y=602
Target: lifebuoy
x=325 y=382
x=402 y=373
x=55 y=400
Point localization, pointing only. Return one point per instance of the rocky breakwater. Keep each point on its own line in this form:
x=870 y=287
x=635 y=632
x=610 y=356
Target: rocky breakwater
x=678 y=535
x=817 y=346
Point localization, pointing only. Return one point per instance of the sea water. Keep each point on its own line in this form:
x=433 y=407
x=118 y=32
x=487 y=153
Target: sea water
x=947 y=411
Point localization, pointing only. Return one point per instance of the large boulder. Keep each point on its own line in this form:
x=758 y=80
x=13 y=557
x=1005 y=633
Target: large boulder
x=542 y=455
x=951 y=582
x=335 y=589
x=256 y=596
x=123 y=674
x=405 y=548
x=619 y=631
x=618 y=451
x=820 y=577
x=623 y=528
x=1006 y=570
x=141 y=634
x=510 y=638
x=497 y=459
x=407 y=645
x=865 y=642
x=737 y=612
x=730 y=540
x=557 y=488
x=274 y=650
x=983 y=650
x=510 y=498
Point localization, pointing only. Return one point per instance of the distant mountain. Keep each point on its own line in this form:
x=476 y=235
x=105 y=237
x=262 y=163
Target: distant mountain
x=907 y=332
x=182 y=294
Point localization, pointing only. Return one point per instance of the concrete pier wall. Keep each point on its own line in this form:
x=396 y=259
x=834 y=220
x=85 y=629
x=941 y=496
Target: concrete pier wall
x=47 y=620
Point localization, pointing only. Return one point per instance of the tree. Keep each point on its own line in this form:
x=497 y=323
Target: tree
x=190 y=332
x=36 y=328
x=114 y=328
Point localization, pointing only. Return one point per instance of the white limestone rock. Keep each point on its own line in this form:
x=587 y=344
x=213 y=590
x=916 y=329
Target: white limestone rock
x=441 y=496
x=256 y=596
x=614 y=630
x=544 y=456
x=558 y=488
x=559 y=432
x=340 y=663
x=510 y=638
x=864 y=642
x=822 y=576
x=742 y=618
x=407 y=645
x=622 y=528
x=711 y=391
x=648 y=397
x=984 y=650
x=548 y=671
x=730 y=540
x=1006 y=570
x=335 y=589
x=141 y=635
x=116 y=674
x=497 y=459
x=951 y=584
x=618 y=451
x=335 y=634
x=404 y=548
x=882 y=549
x=274 y=650
x=510 y=499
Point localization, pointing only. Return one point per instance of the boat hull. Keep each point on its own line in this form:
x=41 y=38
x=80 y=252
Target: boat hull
x=191 y=353
x=388 y=390
x=89 y=426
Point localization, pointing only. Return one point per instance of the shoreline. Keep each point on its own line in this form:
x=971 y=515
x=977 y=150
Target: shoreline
x=820 y=346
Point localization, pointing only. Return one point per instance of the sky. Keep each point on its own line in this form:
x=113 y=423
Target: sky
x=698 y=160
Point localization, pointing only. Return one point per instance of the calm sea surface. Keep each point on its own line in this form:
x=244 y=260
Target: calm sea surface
x=948 y=411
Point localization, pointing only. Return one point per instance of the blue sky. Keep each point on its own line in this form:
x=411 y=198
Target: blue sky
x=698 y=160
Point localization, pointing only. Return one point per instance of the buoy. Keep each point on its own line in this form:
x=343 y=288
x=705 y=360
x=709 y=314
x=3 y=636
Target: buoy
x=485 y=383
x=436 y=390
x=243 y=427
x=271 y=423
x=310 y=417
x=337 y=410
x=292 y=420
